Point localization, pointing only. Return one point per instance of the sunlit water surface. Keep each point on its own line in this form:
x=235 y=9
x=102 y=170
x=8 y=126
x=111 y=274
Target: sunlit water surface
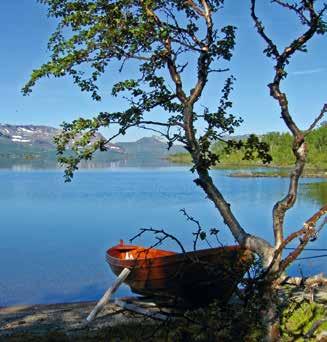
x=53 y=236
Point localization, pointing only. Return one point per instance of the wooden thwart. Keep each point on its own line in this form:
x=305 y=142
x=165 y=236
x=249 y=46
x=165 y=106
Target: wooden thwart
x=106 y=297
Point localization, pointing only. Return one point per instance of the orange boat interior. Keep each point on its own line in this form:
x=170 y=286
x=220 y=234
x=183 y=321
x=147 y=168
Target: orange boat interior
x=130 y=252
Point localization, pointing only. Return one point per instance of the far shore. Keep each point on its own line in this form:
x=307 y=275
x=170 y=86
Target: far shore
x=274 y=174
x=251 y=170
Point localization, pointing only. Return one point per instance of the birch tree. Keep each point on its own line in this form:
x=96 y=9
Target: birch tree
x=165 y=40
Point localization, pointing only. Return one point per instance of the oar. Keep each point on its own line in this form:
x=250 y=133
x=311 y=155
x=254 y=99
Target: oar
x=106 y=297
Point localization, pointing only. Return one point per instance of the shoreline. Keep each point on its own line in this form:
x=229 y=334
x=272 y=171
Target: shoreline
x=67 y=321
x=269 y=170
x=256 y=174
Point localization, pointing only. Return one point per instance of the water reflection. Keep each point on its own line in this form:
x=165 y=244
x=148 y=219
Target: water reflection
x=317 y=192
x=84 y=165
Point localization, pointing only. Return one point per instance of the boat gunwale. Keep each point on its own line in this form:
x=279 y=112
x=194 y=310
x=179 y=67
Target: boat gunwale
x=173 y=258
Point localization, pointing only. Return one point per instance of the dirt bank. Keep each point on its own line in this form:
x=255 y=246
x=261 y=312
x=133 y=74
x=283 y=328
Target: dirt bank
x=59 y=321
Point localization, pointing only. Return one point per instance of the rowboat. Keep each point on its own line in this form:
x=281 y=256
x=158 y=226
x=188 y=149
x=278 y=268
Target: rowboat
x=189 y=278
x=195 y=277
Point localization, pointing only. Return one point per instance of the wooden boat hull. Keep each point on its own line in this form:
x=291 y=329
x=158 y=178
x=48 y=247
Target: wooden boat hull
x=194 y=277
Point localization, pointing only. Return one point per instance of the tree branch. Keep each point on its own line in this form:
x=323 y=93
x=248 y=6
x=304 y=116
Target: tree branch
x=175 y=76
x=317 y=119
x=204 y=58
x=308 y=231
x=160 y=239
x=197 y=234
x=260 y=28
x=196 y=9
x=294 y=8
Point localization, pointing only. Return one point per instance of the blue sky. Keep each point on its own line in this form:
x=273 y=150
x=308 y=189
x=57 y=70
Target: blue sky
x=26 y=28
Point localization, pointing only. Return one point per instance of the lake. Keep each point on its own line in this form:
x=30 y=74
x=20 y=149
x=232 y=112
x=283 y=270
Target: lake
x=54 y=235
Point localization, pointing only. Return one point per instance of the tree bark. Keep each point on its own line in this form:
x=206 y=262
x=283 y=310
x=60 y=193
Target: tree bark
x=269 y=312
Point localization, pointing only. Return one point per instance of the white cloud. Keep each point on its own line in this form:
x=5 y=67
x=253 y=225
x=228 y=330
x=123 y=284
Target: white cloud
x=308 y=71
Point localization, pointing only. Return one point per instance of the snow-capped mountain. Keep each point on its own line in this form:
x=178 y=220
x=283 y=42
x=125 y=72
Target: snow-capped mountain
x=39 y=136
x=33 y=145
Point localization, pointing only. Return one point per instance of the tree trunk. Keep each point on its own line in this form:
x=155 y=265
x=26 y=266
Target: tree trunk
x=269 y=314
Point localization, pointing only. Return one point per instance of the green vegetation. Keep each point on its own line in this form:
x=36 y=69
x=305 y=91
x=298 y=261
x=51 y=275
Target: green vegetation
x=280 y=150
x=299 y=318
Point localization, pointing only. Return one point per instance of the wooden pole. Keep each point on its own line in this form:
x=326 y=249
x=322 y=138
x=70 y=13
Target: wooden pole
x=106 y=297
x=149 y=312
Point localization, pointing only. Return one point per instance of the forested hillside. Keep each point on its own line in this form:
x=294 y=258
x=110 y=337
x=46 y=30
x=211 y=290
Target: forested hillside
x=280 y=150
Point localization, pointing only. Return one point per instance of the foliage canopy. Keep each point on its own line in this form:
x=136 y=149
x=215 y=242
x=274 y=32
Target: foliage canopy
x=164 y=39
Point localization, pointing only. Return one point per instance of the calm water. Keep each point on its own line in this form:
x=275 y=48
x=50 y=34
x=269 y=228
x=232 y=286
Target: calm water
x=53 y=236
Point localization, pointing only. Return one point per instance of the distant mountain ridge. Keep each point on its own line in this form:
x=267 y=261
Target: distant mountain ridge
x=40 y=136
x=149 y=145
x=34 y=144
